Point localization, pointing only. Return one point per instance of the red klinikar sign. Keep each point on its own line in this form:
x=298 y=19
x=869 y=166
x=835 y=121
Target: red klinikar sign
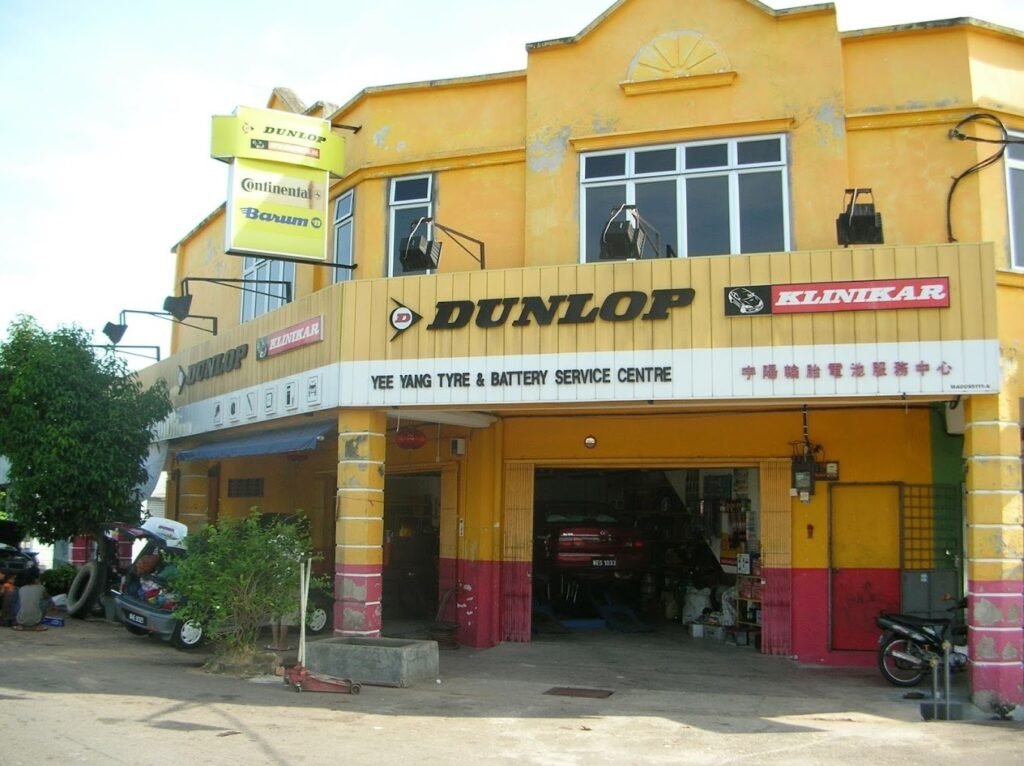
x=302 y=334
x=869 y=295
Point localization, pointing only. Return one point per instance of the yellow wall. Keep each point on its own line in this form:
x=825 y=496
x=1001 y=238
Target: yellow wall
x=864 y=110
x=1011 y=324
x=871 y=445
x=792 y=75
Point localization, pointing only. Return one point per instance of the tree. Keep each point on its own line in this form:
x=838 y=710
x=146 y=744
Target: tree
x=76 y=429
x=238 y=573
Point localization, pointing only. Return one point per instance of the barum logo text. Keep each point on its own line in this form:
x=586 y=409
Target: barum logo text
x=255 y=214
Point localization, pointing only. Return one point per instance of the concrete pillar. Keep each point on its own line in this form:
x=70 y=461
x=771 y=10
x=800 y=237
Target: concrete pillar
x=359 y=525
x=994 y=547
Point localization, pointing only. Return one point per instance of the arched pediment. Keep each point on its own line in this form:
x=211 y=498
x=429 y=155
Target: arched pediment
x=679 y=60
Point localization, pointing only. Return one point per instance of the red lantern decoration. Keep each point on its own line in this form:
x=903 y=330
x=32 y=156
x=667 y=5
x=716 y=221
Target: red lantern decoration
x=410 y=438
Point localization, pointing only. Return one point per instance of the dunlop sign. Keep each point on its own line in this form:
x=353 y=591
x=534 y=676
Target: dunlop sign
x=276 y=136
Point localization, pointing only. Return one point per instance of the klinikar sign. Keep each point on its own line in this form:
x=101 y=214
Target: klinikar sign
x=296 y=336
x=281 y=165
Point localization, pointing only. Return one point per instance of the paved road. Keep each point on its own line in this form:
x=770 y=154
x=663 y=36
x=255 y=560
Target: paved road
x=90 y=693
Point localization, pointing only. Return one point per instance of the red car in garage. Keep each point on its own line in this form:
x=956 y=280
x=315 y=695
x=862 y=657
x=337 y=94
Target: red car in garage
x=592 y=543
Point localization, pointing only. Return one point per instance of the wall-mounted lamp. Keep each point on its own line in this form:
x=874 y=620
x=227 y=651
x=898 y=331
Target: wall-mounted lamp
x=115 y=332
x=628 y=237
x=859 y=224
x=179 y=306
x=418 y=252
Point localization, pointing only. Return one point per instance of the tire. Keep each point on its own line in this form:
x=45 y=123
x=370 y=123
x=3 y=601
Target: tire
x=135 y=630
x=897 y=671
x=187 y=636
x=84 y=590
x=318 y=620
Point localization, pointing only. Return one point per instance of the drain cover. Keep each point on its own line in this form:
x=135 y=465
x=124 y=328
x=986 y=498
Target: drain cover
x=572 y=691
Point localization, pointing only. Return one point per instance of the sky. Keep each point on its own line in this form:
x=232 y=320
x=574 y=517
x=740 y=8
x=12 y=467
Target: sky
x=105 y=124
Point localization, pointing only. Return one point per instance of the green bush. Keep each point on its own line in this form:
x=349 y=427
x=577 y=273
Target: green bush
x=59 y=579
x=237 y=573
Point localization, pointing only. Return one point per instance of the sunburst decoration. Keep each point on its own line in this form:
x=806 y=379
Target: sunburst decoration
x=683 y=53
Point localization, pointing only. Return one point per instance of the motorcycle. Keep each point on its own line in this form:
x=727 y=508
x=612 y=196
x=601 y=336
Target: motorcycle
x=911 y=647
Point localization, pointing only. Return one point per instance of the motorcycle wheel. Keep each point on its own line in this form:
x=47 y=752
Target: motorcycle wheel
x=900 y=672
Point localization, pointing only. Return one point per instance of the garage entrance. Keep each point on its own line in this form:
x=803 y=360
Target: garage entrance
x=412 y=521
x=631 y=549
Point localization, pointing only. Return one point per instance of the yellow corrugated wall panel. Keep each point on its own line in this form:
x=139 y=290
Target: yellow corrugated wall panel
x=970 y=269
x=449 y=511
x=776 y=557
x=517 y=525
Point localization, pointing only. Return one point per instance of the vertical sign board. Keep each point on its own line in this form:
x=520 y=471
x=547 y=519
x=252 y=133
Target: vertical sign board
x=281 y=168
x=277 y=210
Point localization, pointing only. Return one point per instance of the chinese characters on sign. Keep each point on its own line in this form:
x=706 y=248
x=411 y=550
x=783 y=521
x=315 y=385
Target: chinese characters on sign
x=899 y=369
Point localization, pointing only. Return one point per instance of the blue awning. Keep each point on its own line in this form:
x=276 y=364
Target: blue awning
x=275 y=442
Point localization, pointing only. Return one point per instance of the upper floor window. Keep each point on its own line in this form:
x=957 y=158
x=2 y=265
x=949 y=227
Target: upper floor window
x=1015 y=201
x=409 y=201
x=701 y=198
x=259 y=299
x=343 y=239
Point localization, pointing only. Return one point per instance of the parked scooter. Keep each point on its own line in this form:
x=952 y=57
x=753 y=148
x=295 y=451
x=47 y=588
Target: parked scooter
x=910 y=647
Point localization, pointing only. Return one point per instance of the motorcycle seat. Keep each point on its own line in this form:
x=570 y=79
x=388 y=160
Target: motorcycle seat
x=936 y=624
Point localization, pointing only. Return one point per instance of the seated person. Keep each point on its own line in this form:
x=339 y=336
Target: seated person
x=33 y=601
x=8 y=600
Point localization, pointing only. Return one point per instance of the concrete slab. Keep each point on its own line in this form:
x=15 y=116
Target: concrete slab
x=375 y=661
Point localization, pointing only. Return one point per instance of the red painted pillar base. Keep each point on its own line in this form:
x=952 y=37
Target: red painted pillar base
x=995 y=643
x=357 y=593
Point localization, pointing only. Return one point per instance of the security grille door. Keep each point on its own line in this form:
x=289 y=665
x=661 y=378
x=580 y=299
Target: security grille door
x=517 y=554
x=931 y=548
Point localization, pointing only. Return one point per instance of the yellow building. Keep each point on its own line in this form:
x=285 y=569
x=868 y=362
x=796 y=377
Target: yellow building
x=705 y=273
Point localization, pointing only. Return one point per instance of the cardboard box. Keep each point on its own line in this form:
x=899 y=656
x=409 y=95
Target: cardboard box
x=714 y=632
x=56 y=622
x=697 y=630
x=738 y=636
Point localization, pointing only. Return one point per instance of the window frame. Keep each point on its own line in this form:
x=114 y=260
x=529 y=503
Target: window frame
x=732 y=170
x=344 y=231
x=425 y=204
x=1015 y=238
x=258 y=300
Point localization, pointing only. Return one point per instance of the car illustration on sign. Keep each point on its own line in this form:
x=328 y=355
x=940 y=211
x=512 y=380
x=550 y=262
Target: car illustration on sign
x=745 y=300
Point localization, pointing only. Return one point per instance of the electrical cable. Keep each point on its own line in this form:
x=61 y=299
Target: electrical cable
x=1003 y=141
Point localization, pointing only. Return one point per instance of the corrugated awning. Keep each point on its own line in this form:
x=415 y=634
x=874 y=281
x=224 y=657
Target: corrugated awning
x=298 y=439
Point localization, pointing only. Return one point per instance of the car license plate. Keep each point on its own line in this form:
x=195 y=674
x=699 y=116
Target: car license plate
x=602 y=562
x=137 y=619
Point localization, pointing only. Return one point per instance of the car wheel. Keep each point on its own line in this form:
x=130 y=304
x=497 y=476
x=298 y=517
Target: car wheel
x=84 y=589
x=318 y=619
x=187 y=635
x=135 y=630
